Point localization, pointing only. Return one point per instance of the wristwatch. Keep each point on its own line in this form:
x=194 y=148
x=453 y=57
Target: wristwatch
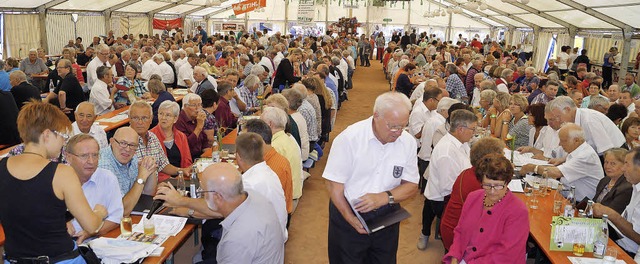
x=140 y=181
x=391 y=199
x=190 y=212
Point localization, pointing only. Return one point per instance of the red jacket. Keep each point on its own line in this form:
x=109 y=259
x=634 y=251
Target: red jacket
x=180 y=140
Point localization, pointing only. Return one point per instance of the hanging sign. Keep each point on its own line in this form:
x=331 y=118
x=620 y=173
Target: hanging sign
x=163 y=24
x=306 y=11
x=229 y=26
x=248 y=6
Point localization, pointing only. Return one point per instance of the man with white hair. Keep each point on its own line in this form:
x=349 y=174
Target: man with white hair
x=353 y=182
x=581 y=169
x=22 y=90
x=149 y=66
x=600 y=132
x=286 y=146
x=246 y=66
x=185 y=72
x=248 y=93
x=478 y=78
x=164 y=70
x=34 y=65
x=200 y=75
x=101 y=59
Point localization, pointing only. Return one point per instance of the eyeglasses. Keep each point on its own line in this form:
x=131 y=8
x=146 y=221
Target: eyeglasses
x=139 y=118
x=124 y=144
x=62 y=135
x=488 y=187
x=86 y=156
x=396 y=128
x=470 y=128
x=201 y=193
x=163 y=115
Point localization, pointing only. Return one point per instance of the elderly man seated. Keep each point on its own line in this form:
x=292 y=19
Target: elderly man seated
x=200 y=76
x=84 y=124
x=548 y=93
x=191 y=123
x=22 y=90
x=34 y=65
x=140 y=115
x=582 y=167
x=100 y=186
x=103 y=91
x=600 y=132
x=135 y=177
x=629 y=221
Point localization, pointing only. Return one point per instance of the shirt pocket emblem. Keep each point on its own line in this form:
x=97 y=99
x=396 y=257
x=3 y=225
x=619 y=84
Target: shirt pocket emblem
x=397 y=171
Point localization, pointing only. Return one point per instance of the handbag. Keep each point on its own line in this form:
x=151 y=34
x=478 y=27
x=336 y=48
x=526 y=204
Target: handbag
x=88 y=255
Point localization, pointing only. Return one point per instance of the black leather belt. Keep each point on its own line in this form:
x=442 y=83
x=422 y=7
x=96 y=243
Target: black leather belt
x=43 y=259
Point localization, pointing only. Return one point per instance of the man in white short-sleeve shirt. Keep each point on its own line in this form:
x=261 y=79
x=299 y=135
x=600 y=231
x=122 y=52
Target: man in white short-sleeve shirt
x=629 y=221
x=449 y=158
x=582 y=167
x=374 y=163
x=600 y=132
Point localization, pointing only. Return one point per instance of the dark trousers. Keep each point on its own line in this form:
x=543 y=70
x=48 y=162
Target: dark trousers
x=361 y=55
x=211 y=235
x=607 y=77
x=430 y=211
x=347 y=246
x=422 y=167
x=366 y=60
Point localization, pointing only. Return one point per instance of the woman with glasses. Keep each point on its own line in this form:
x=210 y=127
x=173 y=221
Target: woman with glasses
x=35 y=226
x=494 y=223
x=129 y=82
x=174 y=143
x=468 y=181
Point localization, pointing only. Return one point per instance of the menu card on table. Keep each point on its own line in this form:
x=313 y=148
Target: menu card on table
x=565 y=231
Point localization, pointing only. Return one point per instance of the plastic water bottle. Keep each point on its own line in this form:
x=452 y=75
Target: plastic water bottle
x=600 y=244
x=181 y=186
x=588 y=211
x=215 y=150
x=569 y=209
x=192 y=183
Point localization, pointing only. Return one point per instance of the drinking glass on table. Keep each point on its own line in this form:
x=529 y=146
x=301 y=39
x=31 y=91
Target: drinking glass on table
x=126 y=226
x=610 y=256
x=528 y=189
x=149 y=227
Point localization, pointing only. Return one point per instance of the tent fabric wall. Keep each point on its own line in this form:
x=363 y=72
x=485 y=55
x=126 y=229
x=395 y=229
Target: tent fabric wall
x=130 y=25
x=20 y=40
x=516 y=38
x=60 y=30
x=543 y=41
x=563 y=39
x=597 y=47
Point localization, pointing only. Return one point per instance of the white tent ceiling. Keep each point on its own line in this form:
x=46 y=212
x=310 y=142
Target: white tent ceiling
x=612 y=15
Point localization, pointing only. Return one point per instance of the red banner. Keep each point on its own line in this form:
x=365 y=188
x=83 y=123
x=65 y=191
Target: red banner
x=162 y=24
x=248 y=6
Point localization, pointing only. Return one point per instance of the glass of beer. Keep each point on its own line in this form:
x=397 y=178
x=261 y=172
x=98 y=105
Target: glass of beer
x=149 y=227
x=578 y=247
x=126 y=226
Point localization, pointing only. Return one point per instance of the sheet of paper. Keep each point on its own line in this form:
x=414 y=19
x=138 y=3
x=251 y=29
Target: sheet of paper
x=553 y=183
x=583 y=260
x=521 y=159
x=165 y=225
x=180 y=91
x=114 y=119
x=516 y=186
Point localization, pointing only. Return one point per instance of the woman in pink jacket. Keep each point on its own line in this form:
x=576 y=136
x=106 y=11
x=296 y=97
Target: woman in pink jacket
x=494 y=224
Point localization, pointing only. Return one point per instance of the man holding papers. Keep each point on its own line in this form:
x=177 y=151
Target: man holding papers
x=629 y=221
x=374 y=163
x=582 y=167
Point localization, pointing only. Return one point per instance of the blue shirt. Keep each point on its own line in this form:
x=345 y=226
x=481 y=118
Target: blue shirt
x=102 y=188
x=5 y=85
x=329 y=83
x=455 y=87
x=126 y=173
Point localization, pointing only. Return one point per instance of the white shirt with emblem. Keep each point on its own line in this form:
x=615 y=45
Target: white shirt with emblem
x=365 y=165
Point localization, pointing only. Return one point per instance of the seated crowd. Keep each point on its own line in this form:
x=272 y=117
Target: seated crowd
x=295 y=92
x=583 y=125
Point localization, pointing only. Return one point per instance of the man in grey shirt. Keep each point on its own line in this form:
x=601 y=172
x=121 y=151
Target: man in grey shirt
x=34 y=65
x=251 y=232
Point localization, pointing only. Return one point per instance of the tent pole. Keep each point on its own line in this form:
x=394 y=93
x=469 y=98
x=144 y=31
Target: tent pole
x=286 y=17
x=246 y=22
x=326 y=15
x=627 y=32
x=448 y=30
x=42 y=19
x=367 y=31
x=408 y=27
x=107 y=21
x=151 y=15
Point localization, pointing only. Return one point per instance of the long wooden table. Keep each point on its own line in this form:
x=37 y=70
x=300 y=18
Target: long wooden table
x=229 y=139
x=170 y=246
x=540 y=229
x=115 y=125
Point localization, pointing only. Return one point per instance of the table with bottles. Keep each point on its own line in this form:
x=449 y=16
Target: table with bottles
x=544 y=203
